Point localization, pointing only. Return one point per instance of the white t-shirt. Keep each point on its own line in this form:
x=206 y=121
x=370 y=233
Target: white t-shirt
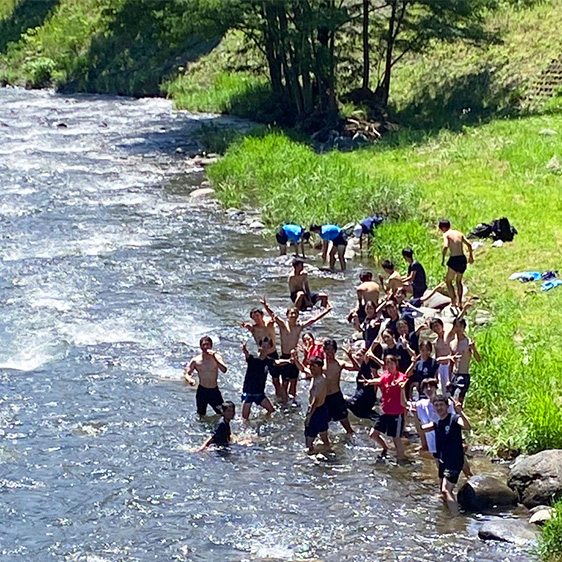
x=427 y=414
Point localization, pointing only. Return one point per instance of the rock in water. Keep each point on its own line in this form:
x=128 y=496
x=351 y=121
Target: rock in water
x=256 y=225
x=515 y=531
x=542 y=515
x=483 y=492
x=202 y=193
x=538 y=478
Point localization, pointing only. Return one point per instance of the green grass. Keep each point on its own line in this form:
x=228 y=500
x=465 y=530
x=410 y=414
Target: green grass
x=486 y=172
x=550 y=542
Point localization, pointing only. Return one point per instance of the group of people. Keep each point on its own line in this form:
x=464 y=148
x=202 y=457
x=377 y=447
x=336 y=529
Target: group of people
x=407 y=359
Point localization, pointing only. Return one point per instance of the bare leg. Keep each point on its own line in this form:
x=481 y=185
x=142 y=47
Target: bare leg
x=246 y=408
x=292 y=388
x=333 y=257
x=310 y=445
x=347 y=426
x=449 y=496
x=282 y=249
x=267 y=405
x=341 y=256
x=467 y=470
x=400 y=455
x=459 y=289
x=277 y=386
x=450 y=289
x=323 y=299
x=376 y=435
x=325 y=439
x=421 y=433
x=283 y=391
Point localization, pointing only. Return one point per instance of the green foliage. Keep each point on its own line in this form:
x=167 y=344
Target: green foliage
x=292 y=183
x=550 y=541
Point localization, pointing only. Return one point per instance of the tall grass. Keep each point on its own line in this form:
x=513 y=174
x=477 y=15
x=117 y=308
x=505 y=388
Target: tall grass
x=550 y=541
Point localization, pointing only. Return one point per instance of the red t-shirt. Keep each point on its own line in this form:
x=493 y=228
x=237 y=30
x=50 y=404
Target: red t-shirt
x=316 y=350
x=392 y=392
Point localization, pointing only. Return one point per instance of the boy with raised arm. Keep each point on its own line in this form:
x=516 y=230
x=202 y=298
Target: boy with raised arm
x=261 y=329
x=449 y=444
x=316 y=421
x=453 y=242
x=253 y=391
x=207 y=366
x=290 y=331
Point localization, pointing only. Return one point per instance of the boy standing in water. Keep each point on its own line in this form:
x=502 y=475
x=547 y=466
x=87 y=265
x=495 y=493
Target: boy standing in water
x=316 y=421
x=290 y=331
x=463 y=350
x=334 y=234
x=222 y=435
x=453 y=242
x=207 y=365
x=450 y=450
x=260 y=330
x=253 y=391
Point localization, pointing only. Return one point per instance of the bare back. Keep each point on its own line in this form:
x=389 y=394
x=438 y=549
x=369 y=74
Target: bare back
x=453 y=240
x=394 y=281
x=368 y=291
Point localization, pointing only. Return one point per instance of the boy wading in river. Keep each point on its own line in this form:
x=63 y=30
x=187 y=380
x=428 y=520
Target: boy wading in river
x=290 y=331
x=222 y=434
x=450 y=450
x=253 y=391
x=207 y=366
x=453 y=242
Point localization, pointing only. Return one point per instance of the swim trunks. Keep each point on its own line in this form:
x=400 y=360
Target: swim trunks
x=337 y=406
x=289 y=372
x=281 y=237
x=253 y=398
x=459 y=382
x=390 y=425
x=208 y=397
x=274 y=370
x=340 y=240
x=309 y=300
x=318 y=422
x=449 y=474
x=458 y=263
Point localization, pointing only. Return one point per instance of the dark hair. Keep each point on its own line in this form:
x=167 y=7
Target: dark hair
x=315 y=228
x=428 y=382
x=297 y=261
x=408 y=253
x=435 y=322
x=227 y=404
x=387 y=264
x=440 y=397
x=318 y=361
x=256 y=311
x=392 y=358
x=427 y=344
x=306 y=236
x=365 y=275
x=308 y=334
x=444 y=223
x=331 y=343
x=205 y=339
x=388 y=331
x=459 y=322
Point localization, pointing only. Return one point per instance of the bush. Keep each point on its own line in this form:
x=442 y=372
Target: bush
x=550 y=542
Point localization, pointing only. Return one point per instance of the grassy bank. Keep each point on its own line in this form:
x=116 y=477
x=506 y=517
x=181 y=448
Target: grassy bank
x=550 y=544
x=499 y=169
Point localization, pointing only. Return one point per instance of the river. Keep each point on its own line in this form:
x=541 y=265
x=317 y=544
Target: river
x=110 y=274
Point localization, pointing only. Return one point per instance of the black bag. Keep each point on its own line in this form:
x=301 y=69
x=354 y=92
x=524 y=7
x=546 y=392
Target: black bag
x=503 y=231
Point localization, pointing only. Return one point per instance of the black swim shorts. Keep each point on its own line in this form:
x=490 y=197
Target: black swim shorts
x=318 y=422
x=450 y=474
x=208 y=397
x=340 y=240
x=309 y=300
x=288 y=372
x=390 y=425
x=459 y=382
x=458 y=263
x=282 y=237
x=337 y=406
x=274 y=370
x=253 y=398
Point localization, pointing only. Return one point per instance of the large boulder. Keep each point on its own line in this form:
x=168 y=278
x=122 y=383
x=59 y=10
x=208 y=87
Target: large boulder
x=484 y=492
x=515 y=531
x=538 y=478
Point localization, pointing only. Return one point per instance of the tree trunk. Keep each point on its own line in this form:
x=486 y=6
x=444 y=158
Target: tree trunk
x=366 y=57
x=385 y=84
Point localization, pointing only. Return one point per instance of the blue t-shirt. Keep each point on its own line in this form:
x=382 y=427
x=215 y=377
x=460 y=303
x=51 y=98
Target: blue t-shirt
x=294 y=232
x=330 y=232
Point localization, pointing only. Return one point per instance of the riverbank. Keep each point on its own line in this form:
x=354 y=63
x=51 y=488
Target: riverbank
x=506 y=168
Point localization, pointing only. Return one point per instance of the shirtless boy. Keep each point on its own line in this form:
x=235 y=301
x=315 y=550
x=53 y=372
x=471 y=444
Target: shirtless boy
x=453 y=242
x=260 y=330
x=464 y=350
x=290 y=331
x=335 y=402
x=207 y=366
x=367 y=291
x=316 y=421
x=301 y=295
x=394 y=280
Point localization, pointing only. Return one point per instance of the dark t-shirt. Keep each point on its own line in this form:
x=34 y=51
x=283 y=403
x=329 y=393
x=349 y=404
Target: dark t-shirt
x=256 y=375
x=419 y=284
x=221 y=436
x=424 y=369
x=448 y=437
x=404 y=358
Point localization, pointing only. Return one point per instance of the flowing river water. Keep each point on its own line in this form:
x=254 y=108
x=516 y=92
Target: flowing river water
x=110 y=274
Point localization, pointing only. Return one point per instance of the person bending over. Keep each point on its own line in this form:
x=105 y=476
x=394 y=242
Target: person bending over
x=334 y=234
x=292 y=234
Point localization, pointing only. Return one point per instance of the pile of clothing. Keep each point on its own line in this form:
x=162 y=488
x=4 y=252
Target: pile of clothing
x=499 y=229
x=549 y=278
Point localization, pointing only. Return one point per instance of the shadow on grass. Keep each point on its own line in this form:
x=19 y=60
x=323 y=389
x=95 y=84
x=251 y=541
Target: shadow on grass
x=27 y=14
x=146 y=41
